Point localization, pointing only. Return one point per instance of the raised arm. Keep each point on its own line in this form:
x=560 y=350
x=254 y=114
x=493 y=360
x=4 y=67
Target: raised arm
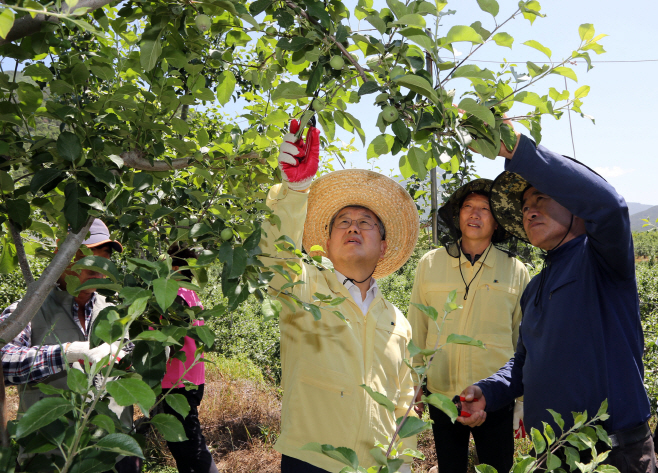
x=586 y=195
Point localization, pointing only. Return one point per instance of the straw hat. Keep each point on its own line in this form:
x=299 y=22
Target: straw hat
x=386 y=198
x=449 y=212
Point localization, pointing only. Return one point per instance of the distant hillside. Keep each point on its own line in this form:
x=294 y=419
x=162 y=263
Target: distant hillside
x=636 y=219
x=634 y=207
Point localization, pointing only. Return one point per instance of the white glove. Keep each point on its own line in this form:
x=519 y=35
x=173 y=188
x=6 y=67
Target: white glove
x=405 y=468
x=80 y=350
x=518 y=414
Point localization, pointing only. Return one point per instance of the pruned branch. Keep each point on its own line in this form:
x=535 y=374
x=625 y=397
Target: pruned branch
x=39 y=290
x=136 y=160
x=347 y=55
x=26 y=25
x=20 y=253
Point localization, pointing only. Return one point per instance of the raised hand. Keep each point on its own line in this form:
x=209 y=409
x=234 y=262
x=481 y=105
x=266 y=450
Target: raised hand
x=299 y=160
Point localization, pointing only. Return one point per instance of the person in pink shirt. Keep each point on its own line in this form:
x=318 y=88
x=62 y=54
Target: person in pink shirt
x=191 y=455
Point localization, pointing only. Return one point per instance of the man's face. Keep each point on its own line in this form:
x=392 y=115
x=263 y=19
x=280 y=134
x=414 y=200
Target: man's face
x=85 y=274
x=545 y=221
x=475 y=219
x=355 y=245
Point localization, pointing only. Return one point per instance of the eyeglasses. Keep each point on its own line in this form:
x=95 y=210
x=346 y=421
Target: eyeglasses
x=361 y=223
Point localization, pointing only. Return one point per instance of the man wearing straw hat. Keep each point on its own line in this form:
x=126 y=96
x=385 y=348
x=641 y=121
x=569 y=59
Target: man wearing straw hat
x=489 y=283
x=367 y=225
x=581 y=340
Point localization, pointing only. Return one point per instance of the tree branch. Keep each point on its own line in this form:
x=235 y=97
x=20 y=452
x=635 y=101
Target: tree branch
x=135 y=159
x=38 y=291
x=20 y=252
x=26 y=25
x=347 y=55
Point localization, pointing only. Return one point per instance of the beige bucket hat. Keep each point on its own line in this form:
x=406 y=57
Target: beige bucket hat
x=382 y=195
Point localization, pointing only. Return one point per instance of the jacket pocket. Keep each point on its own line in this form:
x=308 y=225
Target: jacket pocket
x=561 y=284
x=321 y=407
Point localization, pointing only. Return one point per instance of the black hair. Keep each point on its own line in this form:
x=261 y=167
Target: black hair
x=382 y=229
x=179 y=255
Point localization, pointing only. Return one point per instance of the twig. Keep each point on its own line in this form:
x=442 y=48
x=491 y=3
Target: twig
x=135 y=159
x=20 y=253
x=347 y=55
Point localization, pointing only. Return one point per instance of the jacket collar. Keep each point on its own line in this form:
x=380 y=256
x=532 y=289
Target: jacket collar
x=486 y=259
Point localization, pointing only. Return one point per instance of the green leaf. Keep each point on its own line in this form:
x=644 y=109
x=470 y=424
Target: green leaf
x=99 y=264
x=41 y=414
x=586 y=31
x=490 y=6
x=419 y=37
x=104 y=422
x=120 y=443
x=315 y=79
x=464 y=340
x=380 y=145
x=443 y=403
x=77 y=381
x=462 y=33
x=288 y=91
x=549 y=433
x=6 y=22
x=412 y=426
x=296 y=43
x=566 y=72
x=7 y=183
x=552 y=462
x=225 y=87
x=472 y=71
x=369 y=87
x=431 y=312
x=485 y=469
x=538 y=441
x=539 y=47
x=129 y=391
x=68 y=146
x=412 y=19
x=240 y=257
x=179 y=403
x=418 y=85
x=170 y=427
x=581 y=92
x=344 y=455
x=74 y=209
x=271 y=309
x=165 y=291
x=18 y=210
x=206 y=335
x=149 y=53
x=503 y=39
x=471 y=107
x=380 y=398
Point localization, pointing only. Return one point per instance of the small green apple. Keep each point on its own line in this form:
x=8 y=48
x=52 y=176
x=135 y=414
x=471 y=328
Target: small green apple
x=203 y=22
x=390 y=114
x=337 y=62
x=226 y=234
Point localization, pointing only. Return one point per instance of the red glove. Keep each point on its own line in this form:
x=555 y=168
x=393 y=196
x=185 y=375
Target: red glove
x=298 y=160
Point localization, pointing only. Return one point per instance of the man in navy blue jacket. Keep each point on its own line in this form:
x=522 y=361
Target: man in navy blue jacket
x=580 y=340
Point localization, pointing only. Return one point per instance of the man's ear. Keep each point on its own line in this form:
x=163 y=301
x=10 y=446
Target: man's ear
x=384 y=247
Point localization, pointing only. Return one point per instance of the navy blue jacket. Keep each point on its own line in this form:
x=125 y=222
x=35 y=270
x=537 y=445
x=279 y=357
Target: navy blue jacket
x=580 y=340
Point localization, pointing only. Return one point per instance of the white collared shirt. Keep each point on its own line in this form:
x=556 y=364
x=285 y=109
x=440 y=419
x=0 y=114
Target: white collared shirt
x=355 y=292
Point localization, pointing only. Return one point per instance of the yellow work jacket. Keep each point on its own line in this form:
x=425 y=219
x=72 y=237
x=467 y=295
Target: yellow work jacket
x=324 y=362
x=491 y=313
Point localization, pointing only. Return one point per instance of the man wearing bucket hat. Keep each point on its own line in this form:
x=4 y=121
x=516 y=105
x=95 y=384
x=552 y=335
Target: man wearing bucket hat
x=489 y=284
x=367 y=225
x=58 y=336
x=581 y=340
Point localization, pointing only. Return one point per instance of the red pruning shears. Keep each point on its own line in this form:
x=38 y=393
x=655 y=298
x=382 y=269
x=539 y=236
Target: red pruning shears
x=458 y=402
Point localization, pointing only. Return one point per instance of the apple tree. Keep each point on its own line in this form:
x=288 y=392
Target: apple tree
x=164 y=118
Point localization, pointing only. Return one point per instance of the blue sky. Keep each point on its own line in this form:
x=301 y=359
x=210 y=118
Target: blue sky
x=623 y=97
